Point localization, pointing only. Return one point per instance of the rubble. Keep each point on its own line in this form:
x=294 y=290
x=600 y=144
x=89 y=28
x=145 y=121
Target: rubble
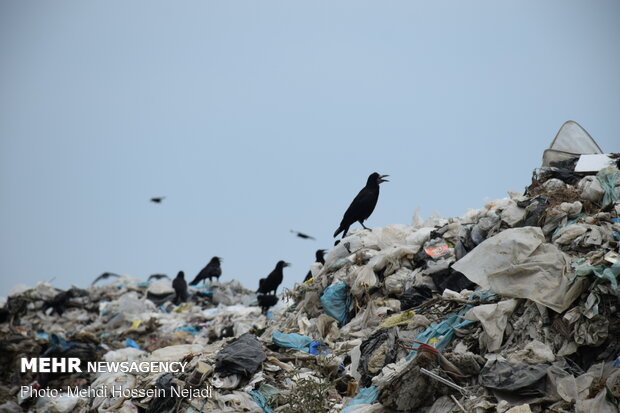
x=509 y=308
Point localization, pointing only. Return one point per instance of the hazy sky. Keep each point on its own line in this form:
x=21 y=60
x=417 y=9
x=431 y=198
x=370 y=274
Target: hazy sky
x=257 y=117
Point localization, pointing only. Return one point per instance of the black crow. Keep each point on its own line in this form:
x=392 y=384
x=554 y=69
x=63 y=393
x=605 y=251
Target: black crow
x=319 y=255
x=363 y=204
x=104 y=276
x=273 y=280
x=157 y=277
x=180 y=288
x=158 y=199
x=266 y=301
x=302 y=235
x=211 y=270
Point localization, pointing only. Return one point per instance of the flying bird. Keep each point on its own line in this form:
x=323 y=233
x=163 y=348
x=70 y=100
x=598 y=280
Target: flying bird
x=302 y=235
x=157 y=277
x=273 y=280
x=158 y=199
x=105 y=276
x=180 y=288
x=320 y=257
x=363 y=204
x=210 y=271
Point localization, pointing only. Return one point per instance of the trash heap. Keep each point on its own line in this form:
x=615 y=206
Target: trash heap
x=509 y=308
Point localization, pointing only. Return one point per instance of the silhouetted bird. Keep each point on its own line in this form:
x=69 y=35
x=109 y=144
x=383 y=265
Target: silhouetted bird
x=266 y=301
x=158 y=199
x=180 y=288
x=104 y=276
x=273 y=280
x=302 y=235
x=363 y=204
x=157 y=277
x=211 y=270
x=319 y=255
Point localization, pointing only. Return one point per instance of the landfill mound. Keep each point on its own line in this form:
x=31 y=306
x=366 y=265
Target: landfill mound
x=510 y=308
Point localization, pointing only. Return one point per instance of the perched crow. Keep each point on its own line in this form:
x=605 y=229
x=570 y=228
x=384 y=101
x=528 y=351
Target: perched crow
x=104 y=276
x=180 y=288
x=302 y=235
x=363 y=204
x=158 y=199
x=319 y=255
x=211 y=270
x=266 y=301
x=273 y=280
x=157 y=277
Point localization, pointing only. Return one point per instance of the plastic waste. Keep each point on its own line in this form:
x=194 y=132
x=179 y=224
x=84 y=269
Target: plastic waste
x=292 y=340
x=519 y=263
x=366 y=395
x=243 y=356
x=337 y=302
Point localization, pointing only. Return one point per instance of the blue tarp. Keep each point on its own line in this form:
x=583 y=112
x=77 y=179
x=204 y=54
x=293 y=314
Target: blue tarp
x=337 y=302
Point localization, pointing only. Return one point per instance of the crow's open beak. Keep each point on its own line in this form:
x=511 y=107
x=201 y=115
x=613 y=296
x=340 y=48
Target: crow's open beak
x=381 y=178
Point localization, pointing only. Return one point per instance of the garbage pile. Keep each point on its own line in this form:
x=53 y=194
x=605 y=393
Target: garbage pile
x=509 y=308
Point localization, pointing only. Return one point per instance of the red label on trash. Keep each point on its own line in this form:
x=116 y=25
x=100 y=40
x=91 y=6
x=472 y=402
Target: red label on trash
x=436 y=251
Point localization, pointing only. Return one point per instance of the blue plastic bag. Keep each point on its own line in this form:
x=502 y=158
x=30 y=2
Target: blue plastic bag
x=292 y=340
x=259 y=398
x=367 y=395
x=337 y=302
x=130 y=342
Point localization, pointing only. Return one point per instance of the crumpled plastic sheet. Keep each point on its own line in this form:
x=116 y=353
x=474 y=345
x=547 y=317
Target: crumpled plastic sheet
x=445 y=330
x=514 y=381
x=367 y=395
x=494 y=318
x=608 y=179
x=605 y=273
x=518 y=263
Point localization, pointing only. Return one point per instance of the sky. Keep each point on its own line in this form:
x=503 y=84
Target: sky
x=255 y=118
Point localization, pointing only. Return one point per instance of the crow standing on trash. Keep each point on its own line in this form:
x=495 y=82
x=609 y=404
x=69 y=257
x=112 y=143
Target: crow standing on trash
x=180 y=288
x=319 y=255
x=363 y=204
x=273 y=280
x=266 y=301
x=211 y=270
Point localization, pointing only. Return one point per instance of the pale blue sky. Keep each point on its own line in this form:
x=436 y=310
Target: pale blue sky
x=255 y=118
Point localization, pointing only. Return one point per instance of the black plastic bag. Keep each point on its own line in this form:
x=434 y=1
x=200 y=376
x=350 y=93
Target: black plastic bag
x=243 y=356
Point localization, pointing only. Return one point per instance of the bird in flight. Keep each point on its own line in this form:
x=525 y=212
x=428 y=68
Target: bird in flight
x=158 y=199
x=157 y=277
x=302 y=235
x=105 y=276
x=363 y=204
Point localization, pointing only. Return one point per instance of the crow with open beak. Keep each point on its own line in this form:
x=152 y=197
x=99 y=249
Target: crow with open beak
x=363 y=204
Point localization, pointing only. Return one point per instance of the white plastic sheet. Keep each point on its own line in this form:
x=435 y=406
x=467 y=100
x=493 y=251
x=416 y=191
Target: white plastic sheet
x=518 y=263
